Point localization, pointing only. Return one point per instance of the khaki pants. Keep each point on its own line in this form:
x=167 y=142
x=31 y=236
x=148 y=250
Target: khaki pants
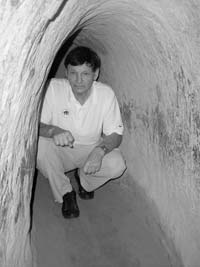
x=53 y=161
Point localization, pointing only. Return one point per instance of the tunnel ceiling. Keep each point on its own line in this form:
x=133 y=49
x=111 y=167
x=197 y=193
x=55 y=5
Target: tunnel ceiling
x=140 y=49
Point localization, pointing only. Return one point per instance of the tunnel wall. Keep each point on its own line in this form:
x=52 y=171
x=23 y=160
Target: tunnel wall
x=150 y=54
x=31 y=33
x=150 y=57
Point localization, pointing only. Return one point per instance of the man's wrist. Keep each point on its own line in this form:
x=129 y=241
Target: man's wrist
x=103 y=148
x=54 y=130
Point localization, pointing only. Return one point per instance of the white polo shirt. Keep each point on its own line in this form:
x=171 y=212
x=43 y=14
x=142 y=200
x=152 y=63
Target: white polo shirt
x=99 y=114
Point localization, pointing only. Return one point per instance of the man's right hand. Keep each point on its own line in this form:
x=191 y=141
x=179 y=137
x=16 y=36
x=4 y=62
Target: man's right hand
x=60 y=136
x=63 y=138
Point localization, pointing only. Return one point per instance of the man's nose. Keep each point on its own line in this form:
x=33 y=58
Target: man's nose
x=79 y=78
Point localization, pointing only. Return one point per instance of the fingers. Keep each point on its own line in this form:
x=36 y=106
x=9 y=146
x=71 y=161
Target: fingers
x=93 y=162
x=90 y=169
x=64 y=139
x=70 y=139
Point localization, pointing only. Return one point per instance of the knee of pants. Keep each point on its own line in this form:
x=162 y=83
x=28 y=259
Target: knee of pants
x=116 y=166
x=45 y=148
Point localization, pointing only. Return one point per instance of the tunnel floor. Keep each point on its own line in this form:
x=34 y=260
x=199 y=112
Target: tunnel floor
x=114 y=229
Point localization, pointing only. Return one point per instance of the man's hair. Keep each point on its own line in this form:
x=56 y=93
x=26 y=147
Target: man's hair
x=80 y=55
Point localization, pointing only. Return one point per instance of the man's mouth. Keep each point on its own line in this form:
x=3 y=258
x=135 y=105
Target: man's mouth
x=79 y=86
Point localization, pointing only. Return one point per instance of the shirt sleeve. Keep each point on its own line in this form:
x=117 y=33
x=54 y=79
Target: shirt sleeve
x=112 y=121
x=47 y=106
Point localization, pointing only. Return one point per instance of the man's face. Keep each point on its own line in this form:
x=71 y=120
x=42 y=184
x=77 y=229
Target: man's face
x=81 y=78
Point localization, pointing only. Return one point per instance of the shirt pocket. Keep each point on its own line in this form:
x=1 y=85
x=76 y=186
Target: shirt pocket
x=63 y=117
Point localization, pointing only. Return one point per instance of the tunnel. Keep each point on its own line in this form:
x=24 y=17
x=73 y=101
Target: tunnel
x=150 y=57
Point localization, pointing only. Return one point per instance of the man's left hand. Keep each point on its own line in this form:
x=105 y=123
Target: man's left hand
x=94 y=161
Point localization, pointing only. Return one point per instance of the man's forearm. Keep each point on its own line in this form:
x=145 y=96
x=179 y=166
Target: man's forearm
x=110 y=142
x=47 y=130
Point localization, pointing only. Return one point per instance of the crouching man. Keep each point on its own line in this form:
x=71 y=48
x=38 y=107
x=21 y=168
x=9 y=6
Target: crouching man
x=81 y=128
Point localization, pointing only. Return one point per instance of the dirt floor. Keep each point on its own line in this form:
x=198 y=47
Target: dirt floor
x=115 y=229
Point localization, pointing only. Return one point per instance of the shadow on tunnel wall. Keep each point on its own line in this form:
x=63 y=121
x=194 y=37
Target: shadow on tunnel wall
x=52 y=73
x=32 y=199
x=61 y=54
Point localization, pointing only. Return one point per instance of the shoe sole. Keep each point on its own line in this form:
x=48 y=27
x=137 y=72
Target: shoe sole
x=85 y=197
x=71 y=216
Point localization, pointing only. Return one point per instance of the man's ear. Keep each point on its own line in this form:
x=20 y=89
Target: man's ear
x=66 y=73
x=96 y=74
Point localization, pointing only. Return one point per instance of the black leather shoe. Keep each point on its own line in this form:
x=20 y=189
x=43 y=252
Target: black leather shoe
x=85 y=194
x=70 y=207
x=81 y=191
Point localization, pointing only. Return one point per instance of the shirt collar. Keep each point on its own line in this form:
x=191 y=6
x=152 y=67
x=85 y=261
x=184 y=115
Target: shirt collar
x=91 y=100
